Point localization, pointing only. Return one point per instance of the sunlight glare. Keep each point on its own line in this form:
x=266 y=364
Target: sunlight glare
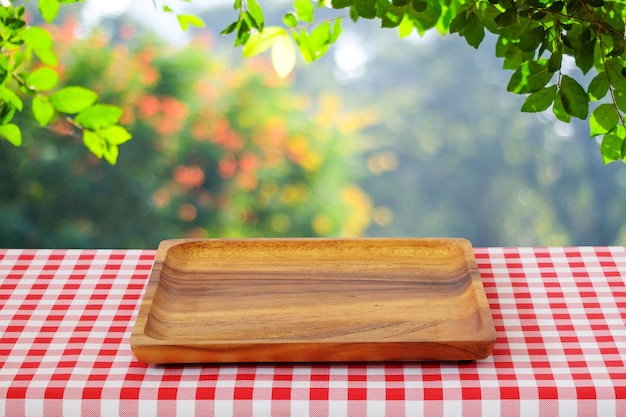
x=95 y=10
x=350 y=57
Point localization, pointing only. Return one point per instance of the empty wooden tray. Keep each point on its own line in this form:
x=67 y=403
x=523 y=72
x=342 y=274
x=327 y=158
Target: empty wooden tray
x=313 y=300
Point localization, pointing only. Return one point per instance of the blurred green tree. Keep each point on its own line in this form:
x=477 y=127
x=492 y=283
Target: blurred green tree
x=218 y=150
x=453 y=156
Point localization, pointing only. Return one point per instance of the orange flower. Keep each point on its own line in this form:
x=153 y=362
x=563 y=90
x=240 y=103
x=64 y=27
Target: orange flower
x=201 y=131
x=187 y=212
x=174 y=108
x=168 y=126
x=149 y=106
x=227 y=167
x=150 y=76
x=161 y=197
x=189 y=176
x=247 y=181
x=249 y=162
x=207 y=90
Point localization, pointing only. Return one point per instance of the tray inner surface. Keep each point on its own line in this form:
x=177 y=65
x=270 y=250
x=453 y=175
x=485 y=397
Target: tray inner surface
x=336 y=290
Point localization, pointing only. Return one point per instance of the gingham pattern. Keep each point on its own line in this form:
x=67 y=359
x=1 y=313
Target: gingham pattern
x=66 y=318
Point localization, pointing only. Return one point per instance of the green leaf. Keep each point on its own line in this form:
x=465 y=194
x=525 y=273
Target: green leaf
x=513 y=56
x=532 y=38
x=37 y=37
x=392 y=16
x=49 y=9
x=13 y=23
x=12 y=133
x=18 y=58
x=428 y=18
x=419 y=6
x=559 y=110
x=529 y=77
x=42 y=110
x=314 y=45
x=302 y=40
x=341 y=4
x=574 y=98
x=230 y=28
x=487 y=14
x=5 y=71
x=585 y=56
x=620 y=99
x=507 y=18
x=111 y=152
x=42 y=79
x=94 y=142
x=474 y=30
x=7 y=111
x=319 y=40
x=256 y=12
x=304 y=9
x=557 y=7
x=243 y=30
x=573 y=6
x=554 y=64
x=598 y=87
x=99 y=116
x=46 y=56
x=614 y=69
x=115 y=135
x=540 y=100
x=290 y=20
x=406 y=27
x=40 y=41
x=9 y=96
x=283 y=55
x=185 y=20
x=603 y=119
x=365 y=8
x=262 y=41
x=72 y=100
x=611 y=148
x=336 y=32
x=354 y=14
x=457 y=25
x=595 y=3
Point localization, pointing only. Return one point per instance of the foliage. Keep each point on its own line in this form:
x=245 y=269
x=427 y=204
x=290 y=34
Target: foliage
x=533 y=38
x=28 y=66
x=218 y=150
x=20 y=44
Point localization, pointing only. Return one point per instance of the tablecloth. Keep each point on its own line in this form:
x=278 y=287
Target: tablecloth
x=66 y=318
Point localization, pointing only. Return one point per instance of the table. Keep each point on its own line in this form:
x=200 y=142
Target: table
x=66 y=318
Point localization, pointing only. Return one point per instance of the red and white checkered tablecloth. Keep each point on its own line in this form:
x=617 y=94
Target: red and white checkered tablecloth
x=66 y=318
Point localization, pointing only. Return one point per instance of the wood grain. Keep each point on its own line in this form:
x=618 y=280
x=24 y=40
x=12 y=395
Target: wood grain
x=310 y=300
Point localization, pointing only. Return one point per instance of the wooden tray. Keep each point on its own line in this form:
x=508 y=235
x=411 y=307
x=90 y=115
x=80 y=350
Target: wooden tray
x=313 y=300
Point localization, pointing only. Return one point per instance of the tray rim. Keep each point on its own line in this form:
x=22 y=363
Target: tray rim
x=139 y=340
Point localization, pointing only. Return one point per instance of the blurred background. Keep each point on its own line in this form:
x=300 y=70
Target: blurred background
x=383 y=137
